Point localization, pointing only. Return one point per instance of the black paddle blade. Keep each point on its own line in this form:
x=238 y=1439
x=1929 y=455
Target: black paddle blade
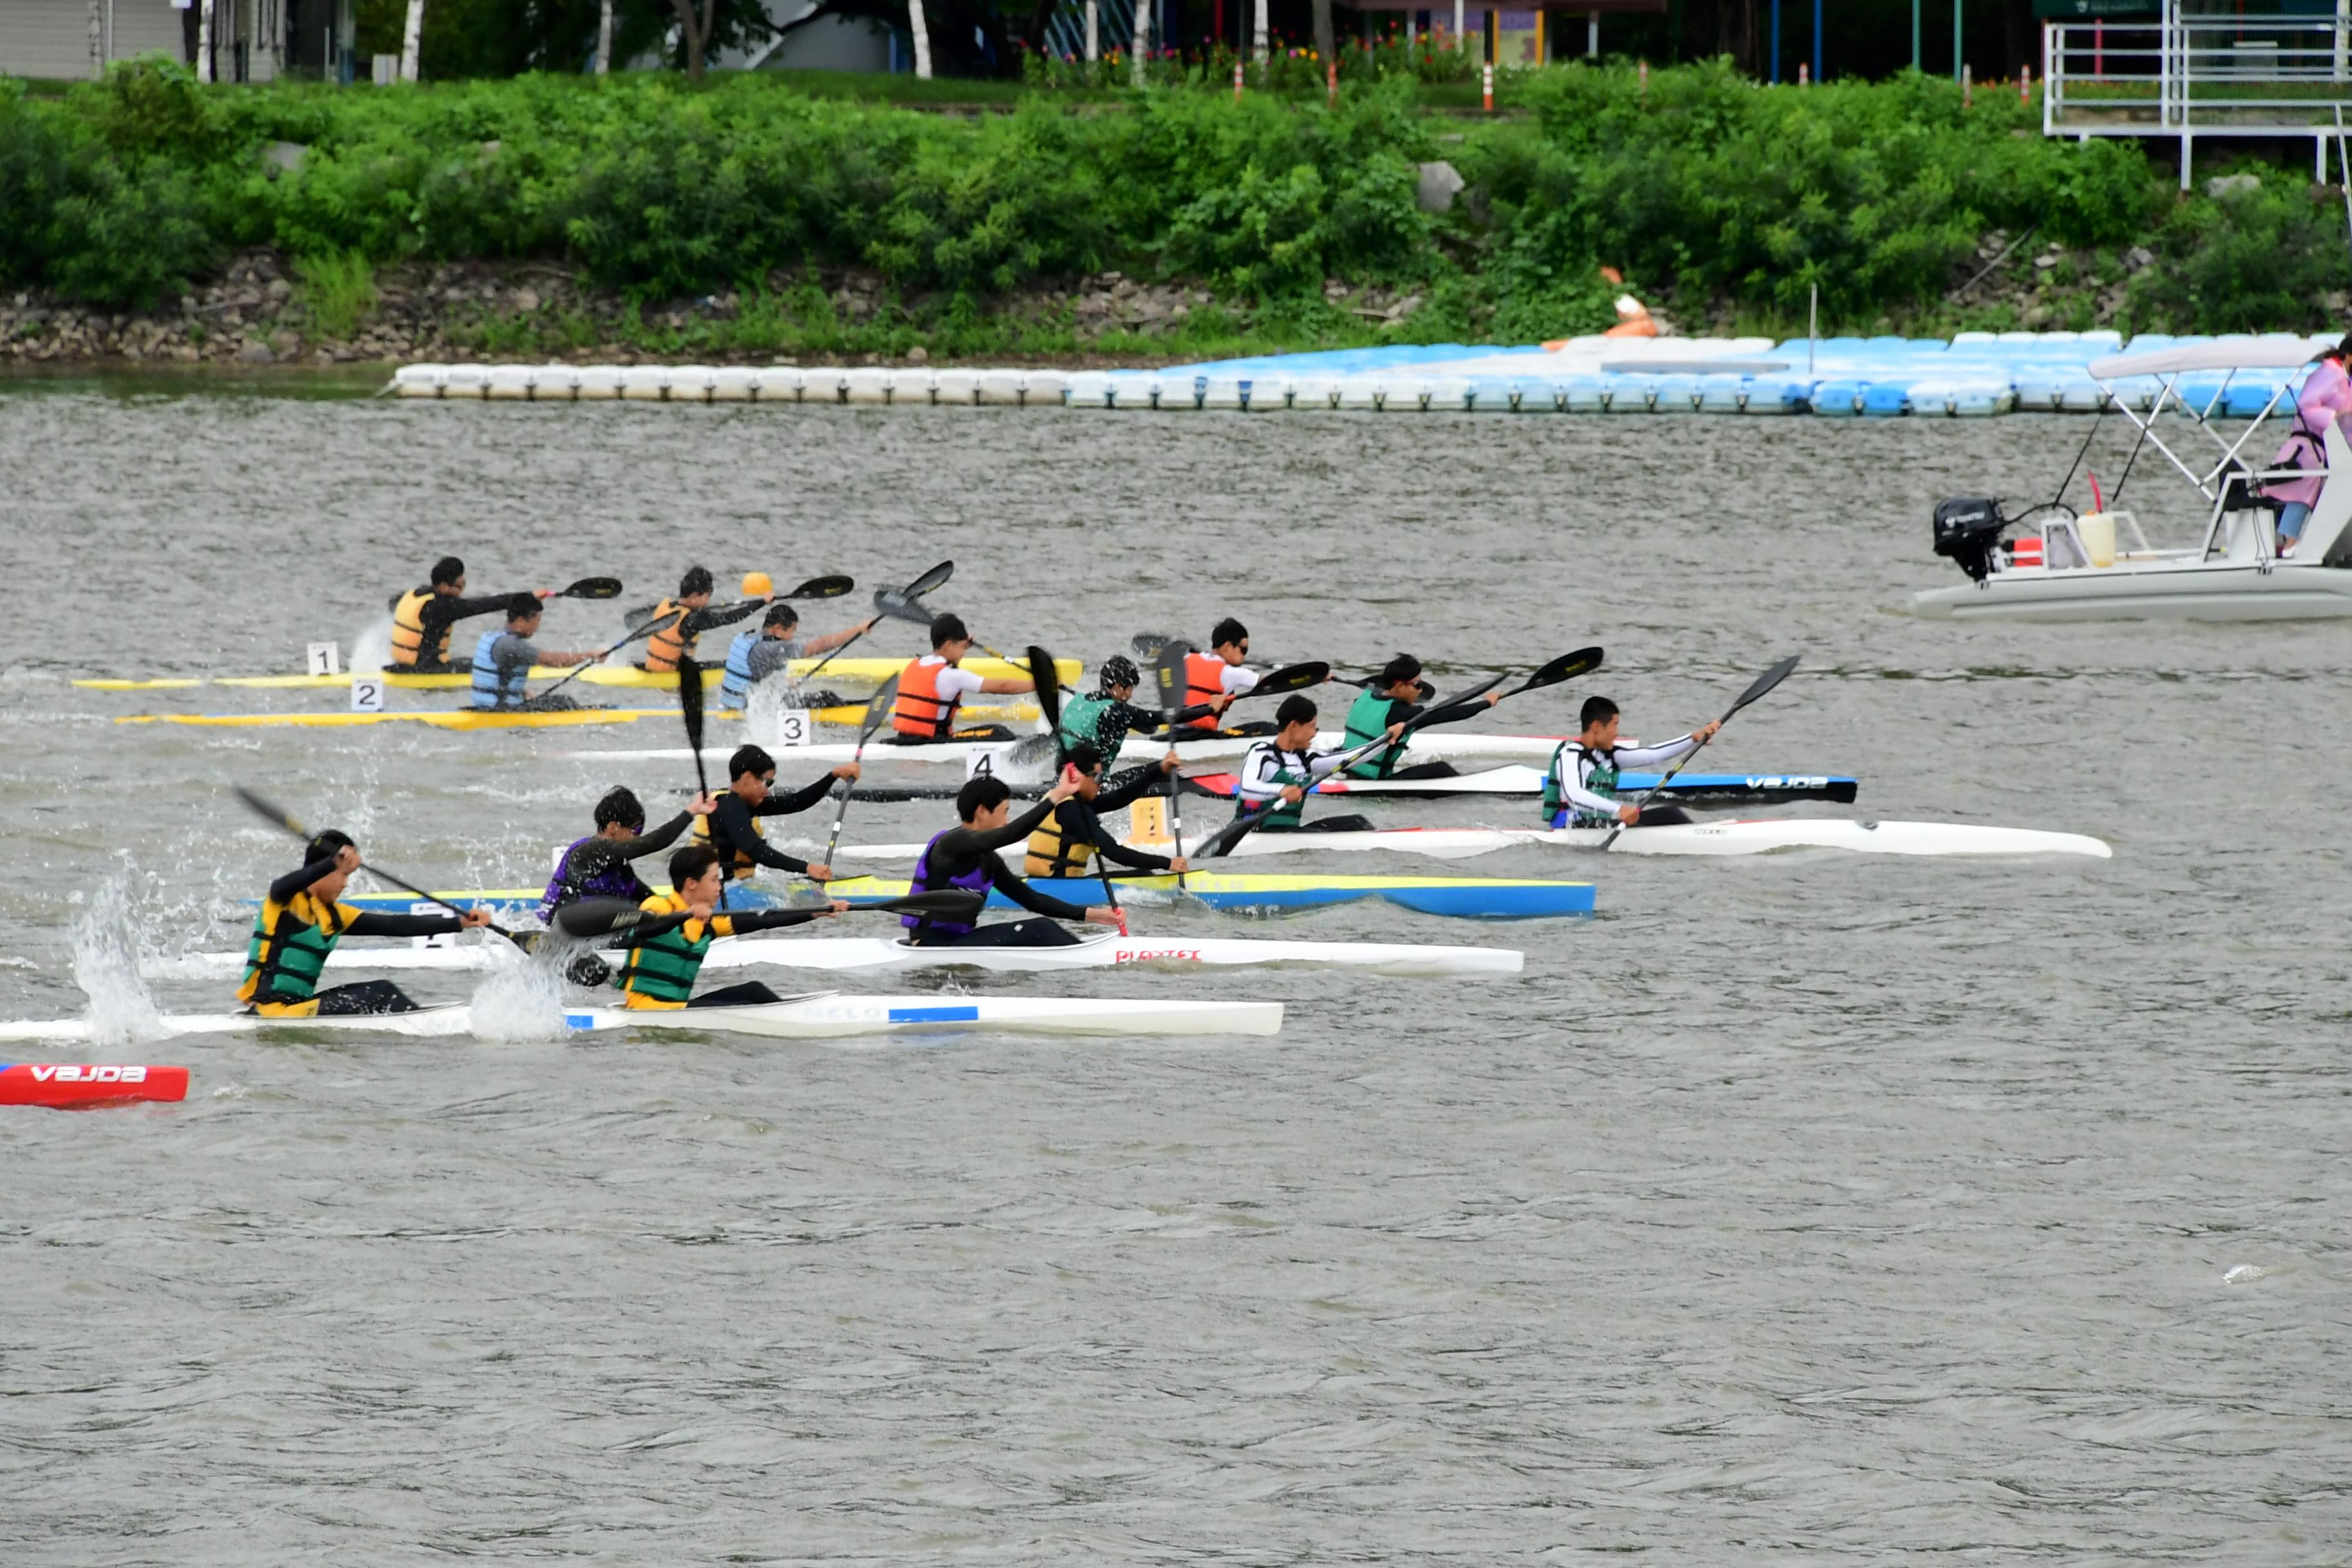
x=1765 y=682
x=587 y=918
x=930 y=581
x=877 y=709
x=945 y=905
x=592 y=588
x=1567 y=666
x=900 y=606
x=277 y=816
x=1147 y=645
x=1049 y=687
x=1292 y=678
x=1168 y=675
x=689 y=699
x=821 y=588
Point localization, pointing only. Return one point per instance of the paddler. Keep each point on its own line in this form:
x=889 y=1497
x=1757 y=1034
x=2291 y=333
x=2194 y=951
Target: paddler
x=677 y=622
x=422 y=618
x=1104 y=716
x=1212 y=680
x=300 y=923
x=1394 y=696
x=1581 y=787
x=1067 y=842
x=965 y=856
x=932 y=688
x=733 y=826
x=1278 y=772
x=503 y=660
x=661 y=968
x=597 y=867
x=768 y=648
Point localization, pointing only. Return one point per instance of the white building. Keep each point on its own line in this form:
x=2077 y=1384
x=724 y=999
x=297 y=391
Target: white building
x=250 y=41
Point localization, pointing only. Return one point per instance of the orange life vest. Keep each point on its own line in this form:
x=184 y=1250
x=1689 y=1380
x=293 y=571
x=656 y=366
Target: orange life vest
x=1204 y=681
x=920 y=710
x=667 y=646
x=408 y=629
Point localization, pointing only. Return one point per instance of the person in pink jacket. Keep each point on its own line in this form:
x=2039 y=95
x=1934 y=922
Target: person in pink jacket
x=2326 y=396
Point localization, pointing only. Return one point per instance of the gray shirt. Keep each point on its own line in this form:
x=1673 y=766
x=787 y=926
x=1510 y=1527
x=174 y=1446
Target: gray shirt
x=770 y=655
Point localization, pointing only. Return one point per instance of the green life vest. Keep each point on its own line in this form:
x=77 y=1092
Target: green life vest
x=1081 y=718
x=296 y=952
x=663 y=968
x=1601 y=781
x=1367 y=719
x=1281 y=816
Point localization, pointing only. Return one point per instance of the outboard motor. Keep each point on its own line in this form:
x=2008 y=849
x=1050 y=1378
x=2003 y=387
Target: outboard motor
x=1967 y=530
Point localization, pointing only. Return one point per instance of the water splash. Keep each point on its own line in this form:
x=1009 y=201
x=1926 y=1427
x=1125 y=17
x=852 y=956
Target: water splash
x=522 y=1000
x=2245 y=1274
x=105 y=966
x=371 y=645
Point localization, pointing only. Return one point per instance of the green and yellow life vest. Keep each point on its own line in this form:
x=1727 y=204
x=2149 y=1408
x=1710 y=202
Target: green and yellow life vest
x=1055 y=851
x=289 y=948
x=661 y=971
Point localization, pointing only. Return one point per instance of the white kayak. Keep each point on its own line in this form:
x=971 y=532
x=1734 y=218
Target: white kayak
x=820 y=1016
x=1430 y=746
x=1762 y=837
x=883 y=955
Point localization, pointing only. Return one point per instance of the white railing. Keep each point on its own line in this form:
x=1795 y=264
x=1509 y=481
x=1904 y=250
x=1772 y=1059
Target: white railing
x=2187 y=75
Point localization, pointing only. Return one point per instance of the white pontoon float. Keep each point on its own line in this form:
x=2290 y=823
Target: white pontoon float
x=2078 y=568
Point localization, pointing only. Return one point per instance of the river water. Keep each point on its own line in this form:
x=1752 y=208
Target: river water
x=1802 y=1208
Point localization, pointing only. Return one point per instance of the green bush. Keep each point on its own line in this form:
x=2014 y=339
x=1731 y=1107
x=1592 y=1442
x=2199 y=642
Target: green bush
x=1701 y=183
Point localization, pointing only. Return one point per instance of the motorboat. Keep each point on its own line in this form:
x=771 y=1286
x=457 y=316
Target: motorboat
x=2064 y=566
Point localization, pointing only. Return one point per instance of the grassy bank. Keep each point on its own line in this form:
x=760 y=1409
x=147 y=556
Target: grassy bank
x=756 y=218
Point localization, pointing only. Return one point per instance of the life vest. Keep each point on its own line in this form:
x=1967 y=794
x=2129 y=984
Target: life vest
x=492 y=687
x=614 y=879
x=1277 y=815
x=735 y=690
x=1056 y=851
x=290 y=947
x=1082 y=724
x=920 y=710
x=1204 y=681
x=1368 y=720
x=1601 y=781
x=661 y=971
x=975 y=881
x=671 y=643
x=738 y=862
x=408 y=630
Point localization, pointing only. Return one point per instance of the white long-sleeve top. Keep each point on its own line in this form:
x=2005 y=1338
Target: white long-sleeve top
x=1573 y=766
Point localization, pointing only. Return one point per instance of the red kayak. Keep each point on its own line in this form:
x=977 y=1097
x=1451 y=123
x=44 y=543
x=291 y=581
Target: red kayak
x=78 y=1085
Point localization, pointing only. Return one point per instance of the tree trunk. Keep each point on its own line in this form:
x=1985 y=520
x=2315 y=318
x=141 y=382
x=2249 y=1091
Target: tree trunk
x=1094 y=32
x=1326 y=48
x=605 y=39
x=1258 y=41
x=1139 y=45
x=695 y=29
x=412 y=39
x=921 y=30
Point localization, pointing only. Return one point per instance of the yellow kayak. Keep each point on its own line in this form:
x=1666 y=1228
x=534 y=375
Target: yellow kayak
x=851 y=672
x=468 y=718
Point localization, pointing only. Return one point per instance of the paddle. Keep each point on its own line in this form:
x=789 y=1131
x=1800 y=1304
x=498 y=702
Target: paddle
x=1049 y=682
x=591 y=588
x=814 y=588
x=588 y=919
x=1280 y=682
x=876 y=710
x=279 y=816
x=1169 y=680
x=921 y=585
x=1755 y=688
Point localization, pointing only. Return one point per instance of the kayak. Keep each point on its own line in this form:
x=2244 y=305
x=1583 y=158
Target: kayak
x=455 y=719
x=1686 y=789
x=818 y=1017
x=848 y=671
x=1210 y=746
x=884 y=955
x=1739 y=837
x=78 y=1085
x=1474 y=897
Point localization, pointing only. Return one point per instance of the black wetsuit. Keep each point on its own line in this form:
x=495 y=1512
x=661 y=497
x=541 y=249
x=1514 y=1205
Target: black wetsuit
x=959 y=852
x=736 y=840
x=437 y=616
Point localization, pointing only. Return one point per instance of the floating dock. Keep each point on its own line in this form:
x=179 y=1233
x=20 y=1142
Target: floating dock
x=1974 y=375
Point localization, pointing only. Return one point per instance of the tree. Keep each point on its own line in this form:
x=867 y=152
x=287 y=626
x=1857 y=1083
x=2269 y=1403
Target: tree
x=694 y=30
x=412 y=37
x=922 y=31
x=1325 y=45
